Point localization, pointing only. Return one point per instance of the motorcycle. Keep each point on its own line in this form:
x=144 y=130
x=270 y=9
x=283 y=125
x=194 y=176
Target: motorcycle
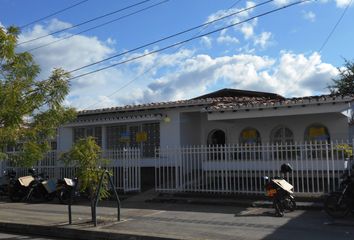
x=8 y=176
x=19 y=188
x=33 y=186
x=281 y=192
x=65 y=187
x=41 y=188
x=341 y=202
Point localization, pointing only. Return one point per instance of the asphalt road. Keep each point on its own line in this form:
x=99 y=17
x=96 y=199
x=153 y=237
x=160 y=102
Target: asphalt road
x=176 y=221
x=10 y=236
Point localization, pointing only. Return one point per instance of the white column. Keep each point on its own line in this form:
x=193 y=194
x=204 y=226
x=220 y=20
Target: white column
x=104 y=137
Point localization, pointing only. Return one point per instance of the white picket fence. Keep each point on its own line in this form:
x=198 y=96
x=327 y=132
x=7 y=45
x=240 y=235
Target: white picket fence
x=125 y=165
x=240 y=168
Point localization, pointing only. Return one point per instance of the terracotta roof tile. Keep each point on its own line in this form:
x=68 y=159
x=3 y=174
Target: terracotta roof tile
x=221 y=103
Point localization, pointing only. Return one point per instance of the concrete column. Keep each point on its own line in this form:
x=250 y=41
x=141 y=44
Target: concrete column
x=104 y=137
x=65 y=139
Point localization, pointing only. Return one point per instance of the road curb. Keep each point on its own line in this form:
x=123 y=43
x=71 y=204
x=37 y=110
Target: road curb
x=236 y=203
x=71 y=233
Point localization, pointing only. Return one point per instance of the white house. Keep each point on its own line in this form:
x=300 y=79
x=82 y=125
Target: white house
x=236 y=119
x=226 y=116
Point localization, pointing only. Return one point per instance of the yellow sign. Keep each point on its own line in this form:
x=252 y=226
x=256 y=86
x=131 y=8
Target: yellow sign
x=141 y=137
x=317 y=132
x=249 y=134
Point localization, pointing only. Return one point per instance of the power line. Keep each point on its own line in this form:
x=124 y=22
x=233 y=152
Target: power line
x=170 y=36
x=148 y=70
x=98 y=26
x=327 y=39
x=53 y=14
x=335 y=27
x=190 y=39
x=85 y=22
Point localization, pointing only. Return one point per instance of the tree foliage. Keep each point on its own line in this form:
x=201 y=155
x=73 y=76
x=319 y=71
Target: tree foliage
x=85 y=155
x=30 y=109
x=344 y=84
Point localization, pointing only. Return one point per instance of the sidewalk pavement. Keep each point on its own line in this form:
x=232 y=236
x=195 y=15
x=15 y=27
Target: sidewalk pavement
x=157 y=220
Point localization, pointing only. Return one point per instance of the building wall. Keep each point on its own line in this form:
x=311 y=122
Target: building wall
x=65 y=138
x=170 y=130
x=335 y=122
x=351 y=132
x=190 y=128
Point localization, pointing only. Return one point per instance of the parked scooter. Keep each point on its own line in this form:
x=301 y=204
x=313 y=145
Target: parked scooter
x=341 y=202
x=32 y=187
x=41 y=188
x=65 y=187
x=19 y=188
x=8 y=176
x=281 y=192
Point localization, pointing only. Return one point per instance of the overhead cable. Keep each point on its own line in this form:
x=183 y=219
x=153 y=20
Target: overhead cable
x=85 y=22
x=170 y=36
x=98 y=26
x=52 y=14
x=188 y=40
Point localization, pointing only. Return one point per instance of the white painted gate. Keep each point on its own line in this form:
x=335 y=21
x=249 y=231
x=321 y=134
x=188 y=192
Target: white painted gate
x=125 y=165
x=240 y=168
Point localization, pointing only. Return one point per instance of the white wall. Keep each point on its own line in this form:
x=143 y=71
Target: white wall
x=65 y=138
x=190 y=128
x=351 y=132
x=170 y=131
x=335 y=122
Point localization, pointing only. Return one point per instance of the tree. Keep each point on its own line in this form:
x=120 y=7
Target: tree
x=30 y=109
x=85 y=155
x=344 y=84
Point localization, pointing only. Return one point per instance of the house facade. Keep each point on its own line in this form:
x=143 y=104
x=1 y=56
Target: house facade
x=221 y=142
x=227 y=116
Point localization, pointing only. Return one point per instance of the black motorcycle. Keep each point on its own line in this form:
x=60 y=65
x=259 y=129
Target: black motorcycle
x=65 y=188
x=281 y=192
x=341 y=202
x=41 y=188
x=19 y=188
x=32 y=187
x=8 y=177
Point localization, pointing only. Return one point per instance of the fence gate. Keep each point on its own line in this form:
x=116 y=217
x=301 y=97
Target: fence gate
x=125 y=165
x=240 y=168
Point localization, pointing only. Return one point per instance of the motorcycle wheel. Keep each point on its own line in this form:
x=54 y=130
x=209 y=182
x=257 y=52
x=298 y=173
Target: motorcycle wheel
x=49 y=196
x=334 y=209
x=279 y=210
x=16 y=195
x=63 y=196
x=290 y=204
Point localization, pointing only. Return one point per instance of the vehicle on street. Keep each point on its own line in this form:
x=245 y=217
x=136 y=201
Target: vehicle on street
x=281 y=192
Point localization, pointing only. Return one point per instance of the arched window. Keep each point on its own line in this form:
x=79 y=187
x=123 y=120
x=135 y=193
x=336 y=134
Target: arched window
x=216 y=137
x=282 y=135
x=250 y=136
x=317 y=132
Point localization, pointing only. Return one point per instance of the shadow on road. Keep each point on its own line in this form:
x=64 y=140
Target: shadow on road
x=314 y=225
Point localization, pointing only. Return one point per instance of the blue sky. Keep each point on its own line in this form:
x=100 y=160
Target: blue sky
x=276 y=53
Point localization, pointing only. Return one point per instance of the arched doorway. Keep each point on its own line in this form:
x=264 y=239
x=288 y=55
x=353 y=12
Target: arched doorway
x=216 y=137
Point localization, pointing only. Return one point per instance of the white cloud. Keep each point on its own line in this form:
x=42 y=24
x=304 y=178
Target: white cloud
x=262 y=39
x=227 y=39
x=247 y=29
x=181 y=74
x=342 y=3
x=311 y=16
x=290 y=75
x=280 y=3
x=56 y=25
x=206 y=41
